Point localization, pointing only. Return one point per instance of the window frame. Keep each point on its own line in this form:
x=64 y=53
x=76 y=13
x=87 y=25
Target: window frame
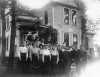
x=66 y=15
x=75 y=43
x=66 y=38
x=72 y=17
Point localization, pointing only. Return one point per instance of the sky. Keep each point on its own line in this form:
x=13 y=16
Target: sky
x=92 y=6
x=93 y=14
x=92 y=9
x=34 y=4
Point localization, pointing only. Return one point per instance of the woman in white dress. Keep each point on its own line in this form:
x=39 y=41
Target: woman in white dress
x=55 y=54
x=23 y=53
x=45 y=53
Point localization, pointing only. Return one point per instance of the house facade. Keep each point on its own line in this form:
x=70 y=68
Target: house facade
x=66 y=18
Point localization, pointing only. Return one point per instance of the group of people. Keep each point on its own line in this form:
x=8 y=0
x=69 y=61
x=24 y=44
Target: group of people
x=36 y=49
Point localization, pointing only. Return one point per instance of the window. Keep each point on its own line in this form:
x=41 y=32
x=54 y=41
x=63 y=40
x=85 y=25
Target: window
x=66 y=39
x=46 y=17
x=74 y=16
x=66 y=15
x=75 y=40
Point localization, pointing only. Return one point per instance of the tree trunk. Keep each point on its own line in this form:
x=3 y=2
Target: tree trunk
x=13 y=34
x=3 y=33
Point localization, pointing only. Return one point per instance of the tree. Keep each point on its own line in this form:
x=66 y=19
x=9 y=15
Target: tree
x=13 y=33
x=2 y=13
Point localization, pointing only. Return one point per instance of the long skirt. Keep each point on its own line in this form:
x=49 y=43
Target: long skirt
x=23 y=57
x=54 y=59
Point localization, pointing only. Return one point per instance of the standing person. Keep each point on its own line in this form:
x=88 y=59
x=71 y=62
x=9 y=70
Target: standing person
x=42 y=42
x=75 y=55
x=29 y=38
x=45 y=54
x=83 y=56
x=75 y=59
x=23 y=53
x=35 y=35
x=29 y=42
x=23 y=56
x=34 y=53
x=37 y=42
x=54 y=55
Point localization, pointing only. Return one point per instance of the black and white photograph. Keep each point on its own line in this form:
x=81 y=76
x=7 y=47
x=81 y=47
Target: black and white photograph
x=49 y=38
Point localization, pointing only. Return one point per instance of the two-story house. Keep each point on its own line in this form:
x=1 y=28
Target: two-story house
x=66 y=19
